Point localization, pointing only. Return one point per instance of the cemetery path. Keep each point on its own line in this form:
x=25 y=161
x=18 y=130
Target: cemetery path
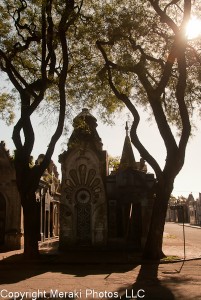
x=97 y=275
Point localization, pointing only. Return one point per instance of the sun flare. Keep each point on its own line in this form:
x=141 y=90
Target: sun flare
x=193 y=28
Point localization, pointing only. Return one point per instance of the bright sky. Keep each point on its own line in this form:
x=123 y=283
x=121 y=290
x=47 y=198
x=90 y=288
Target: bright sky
x=189 y=179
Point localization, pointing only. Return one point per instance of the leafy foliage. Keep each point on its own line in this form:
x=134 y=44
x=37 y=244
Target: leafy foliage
x=6 y=108
x=133 y=35
x=114 y=162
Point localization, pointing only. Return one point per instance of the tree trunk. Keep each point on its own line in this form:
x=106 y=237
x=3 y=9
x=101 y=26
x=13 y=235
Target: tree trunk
x=31 y=226
x=153 y=246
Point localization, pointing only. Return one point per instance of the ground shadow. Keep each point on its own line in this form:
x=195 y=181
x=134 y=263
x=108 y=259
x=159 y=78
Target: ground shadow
x=15 y=268
x=147 y=285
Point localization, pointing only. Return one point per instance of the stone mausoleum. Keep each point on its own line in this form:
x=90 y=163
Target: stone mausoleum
x=11 y=216
x=98 y=208
x=10 y=205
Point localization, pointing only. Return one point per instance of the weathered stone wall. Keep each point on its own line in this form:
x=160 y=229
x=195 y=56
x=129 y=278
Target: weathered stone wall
x=10 y=206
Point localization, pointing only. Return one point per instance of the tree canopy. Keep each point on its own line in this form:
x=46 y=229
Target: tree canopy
x=139 y=43
x=22 y=43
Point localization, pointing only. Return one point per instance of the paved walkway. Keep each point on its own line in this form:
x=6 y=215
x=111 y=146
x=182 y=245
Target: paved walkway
x=173 y=247
x=102 y=275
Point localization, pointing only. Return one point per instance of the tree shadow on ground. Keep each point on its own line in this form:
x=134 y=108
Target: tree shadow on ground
x=15 y=268
x=147 y=285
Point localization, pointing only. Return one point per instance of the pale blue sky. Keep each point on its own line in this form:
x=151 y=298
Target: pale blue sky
x=189 y=179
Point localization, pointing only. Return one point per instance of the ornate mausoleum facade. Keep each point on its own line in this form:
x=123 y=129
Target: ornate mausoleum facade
x=98 y=208
x=83 y=213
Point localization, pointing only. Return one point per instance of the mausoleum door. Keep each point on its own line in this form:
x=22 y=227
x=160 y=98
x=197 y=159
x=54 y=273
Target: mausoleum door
x=2 y=219
x=83 y=225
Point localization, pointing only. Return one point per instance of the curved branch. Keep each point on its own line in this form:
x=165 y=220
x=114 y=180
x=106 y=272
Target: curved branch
x=154 y=100
x=164 y=17
x=134 y=137
x=173 y=2
x=16 y=78
x=50 y=39
x=62 y=101
x=167 y=72
x=27 y=126
x=180 y=94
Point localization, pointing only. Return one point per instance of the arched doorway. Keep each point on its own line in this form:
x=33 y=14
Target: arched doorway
x=2 y=219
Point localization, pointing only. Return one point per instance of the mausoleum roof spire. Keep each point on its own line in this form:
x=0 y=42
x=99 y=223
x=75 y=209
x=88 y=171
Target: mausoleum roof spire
x=126 y=128
x=127 y=158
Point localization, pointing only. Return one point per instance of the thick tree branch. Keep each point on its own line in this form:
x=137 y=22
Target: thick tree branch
x=167 y=71
x=50 y=40
x=180 y=94
x=62 y=94
x=27 y=126
x=156 y=105
x=134 y=137
x=154 y=99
